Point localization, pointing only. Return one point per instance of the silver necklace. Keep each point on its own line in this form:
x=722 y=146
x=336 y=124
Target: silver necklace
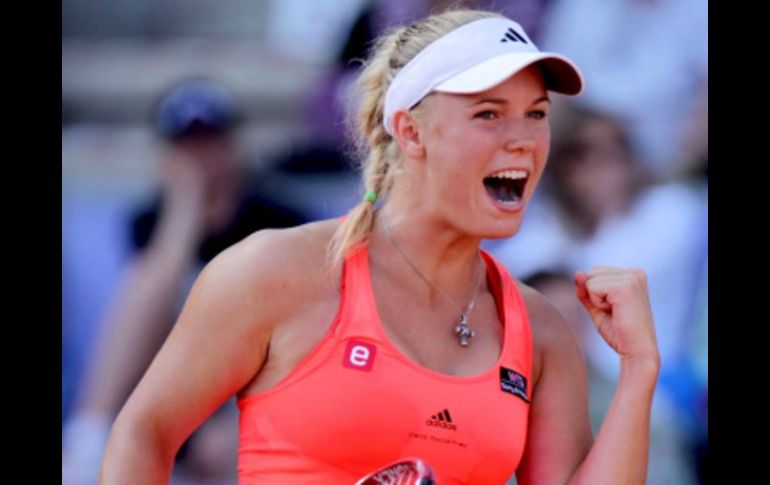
x=463 y=332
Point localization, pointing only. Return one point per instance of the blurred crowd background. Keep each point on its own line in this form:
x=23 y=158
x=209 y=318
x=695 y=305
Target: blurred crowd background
x=189 y=124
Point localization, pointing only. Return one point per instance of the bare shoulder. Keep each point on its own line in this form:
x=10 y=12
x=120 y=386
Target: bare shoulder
x=279 y=264
x=547 y=322
x=295 y=293
x=266 y=280
x=292 y=249
x=551 y=334
x=223 y=334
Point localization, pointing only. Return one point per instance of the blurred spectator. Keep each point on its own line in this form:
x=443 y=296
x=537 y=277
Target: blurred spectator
x=645 y=61
x=206 y=202
x=694 y=162
x=600 y=208
x=697 y=356
x=316 y=176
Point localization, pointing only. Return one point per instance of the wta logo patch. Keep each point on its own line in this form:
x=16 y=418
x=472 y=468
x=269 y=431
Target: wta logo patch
x=514 y=383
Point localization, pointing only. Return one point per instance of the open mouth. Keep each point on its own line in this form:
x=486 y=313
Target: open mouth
x=507 y=186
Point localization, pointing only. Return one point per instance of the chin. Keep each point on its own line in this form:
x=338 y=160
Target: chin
x=502 y=233
x=498 y=229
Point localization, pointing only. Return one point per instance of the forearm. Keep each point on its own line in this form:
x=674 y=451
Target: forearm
x=619 y=454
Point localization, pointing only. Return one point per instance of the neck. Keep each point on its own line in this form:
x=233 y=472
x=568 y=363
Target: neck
x=443 y=255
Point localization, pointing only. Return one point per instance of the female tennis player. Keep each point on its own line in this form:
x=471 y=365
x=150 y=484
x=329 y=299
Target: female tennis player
x=390 y=334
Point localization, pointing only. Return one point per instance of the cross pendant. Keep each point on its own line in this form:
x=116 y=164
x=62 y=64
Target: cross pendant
x=463 y=332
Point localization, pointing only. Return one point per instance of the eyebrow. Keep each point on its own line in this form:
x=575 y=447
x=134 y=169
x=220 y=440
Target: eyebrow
x=505 y=101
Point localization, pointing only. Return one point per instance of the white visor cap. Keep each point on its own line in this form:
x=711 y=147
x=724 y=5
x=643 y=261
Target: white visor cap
x=473 y=58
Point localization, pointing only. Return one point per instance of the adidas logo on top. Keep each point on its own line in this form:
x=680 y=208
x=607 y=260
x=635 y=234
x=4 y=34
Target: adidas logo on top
x=442 y=420
x=513 y=36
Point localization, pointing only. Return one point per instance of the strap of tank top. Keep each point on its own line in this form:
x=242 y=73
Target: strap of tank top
x=358 y=310
x=518 y=331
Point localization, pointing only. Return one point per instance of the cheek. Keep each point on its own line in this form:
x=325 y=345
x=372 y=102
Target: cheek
x=543 y=139
x=453 y=173
x=450 y=158
x=542 y=150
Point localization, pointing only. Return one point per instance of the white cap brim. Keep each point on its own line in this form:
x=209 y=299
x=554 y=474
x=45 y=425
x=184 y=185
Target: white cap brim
x=561 y=75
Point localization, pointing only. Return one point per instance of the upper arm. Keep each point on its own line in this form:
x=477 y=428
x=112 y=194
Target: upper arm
x=218 y=344
x=559 y=434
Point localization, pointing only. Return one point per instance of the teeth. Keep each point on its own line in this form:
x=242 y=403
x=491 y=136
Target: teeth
x=510 y=174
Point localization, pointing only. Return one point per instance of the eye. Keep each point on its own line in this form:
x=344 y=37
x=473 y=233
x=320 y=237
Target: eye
x=486 y=115
x=537 y=114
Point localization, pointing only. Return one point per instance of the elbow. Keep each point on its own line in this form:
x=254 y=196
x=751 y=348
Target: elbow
x=136 y=453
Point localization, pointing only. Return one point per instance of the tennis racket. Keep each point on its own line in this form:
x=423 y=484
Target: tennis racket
x=406 y=471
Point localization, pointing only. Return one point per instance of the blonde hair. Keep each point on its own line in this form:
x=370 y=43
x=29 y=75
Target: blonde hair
x=376 y=147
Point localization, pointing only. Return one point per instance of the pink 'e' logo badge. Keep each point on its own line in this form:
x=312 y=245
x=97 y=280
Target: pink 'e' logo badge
x=359 y=355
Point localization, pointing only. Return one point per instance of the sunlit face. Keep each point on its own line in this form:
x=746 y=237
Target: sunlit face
x=484 y=153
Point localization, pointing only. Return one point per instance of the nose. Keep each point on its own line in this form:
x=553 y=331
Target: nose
x=523 y=145
x=520 y=138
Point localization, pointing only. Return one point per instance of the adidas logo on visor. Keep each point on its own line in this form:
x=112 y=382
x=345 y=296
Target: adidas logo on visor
x=513 y=36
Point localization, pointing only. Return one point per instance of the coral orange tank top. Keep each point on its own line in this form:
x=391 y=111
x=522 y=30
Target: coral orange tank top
x=355 y=403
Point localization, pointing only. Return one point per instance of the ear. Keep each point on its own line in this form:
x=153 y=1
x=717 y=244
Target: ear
x=407 y=135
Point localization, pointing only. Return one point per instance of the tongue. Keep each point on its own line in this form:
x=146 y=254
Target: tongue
x=501 y=190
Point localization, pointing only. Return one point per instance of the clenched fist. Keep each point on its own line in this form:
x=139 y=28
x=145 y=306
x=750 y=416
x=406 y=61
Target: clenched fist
x=618 y=302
